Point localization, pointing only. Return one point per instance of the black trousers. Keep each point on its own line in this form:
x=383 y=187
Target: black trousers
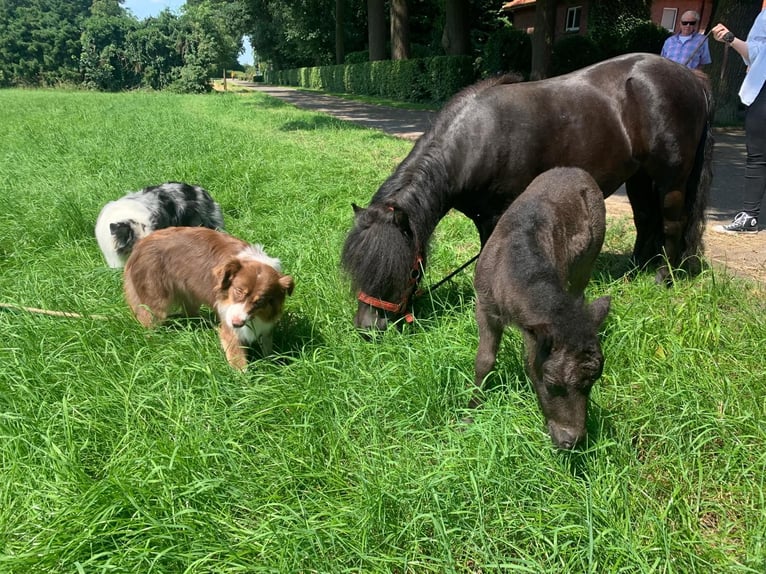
x=755 y=166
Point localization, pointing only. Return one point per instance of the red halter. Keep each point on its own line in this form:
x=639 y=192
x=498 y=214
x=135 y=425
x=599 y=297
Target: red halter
x=401 y=307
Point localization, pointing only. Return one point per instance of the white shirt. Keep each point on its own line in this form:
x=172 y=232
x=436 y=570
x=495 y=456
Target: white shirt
x=756 y=49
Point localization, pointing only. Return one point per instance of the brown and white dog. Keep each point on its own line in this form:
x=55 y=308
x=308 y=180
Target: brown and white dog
x=188 y=267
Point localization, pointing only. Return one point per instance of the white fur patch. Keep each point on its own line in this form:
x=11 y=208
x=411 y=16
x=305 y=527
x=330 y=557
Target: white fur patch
x=254 y=328
x=115 y=212
x=256 y=253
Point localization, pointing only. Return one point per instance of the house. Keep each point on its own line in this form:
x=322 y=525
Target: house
x=572 y=15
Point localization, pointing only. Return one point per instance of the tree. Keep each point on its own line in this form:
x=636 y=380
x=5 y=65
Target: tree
x=296 y=33
x=376 y=29
x=153 y=49
x=456 y=37
x=400 y=30
x=340 y=49
x=542 y=39
x=40 y=40
x=610 y=23
x=104 y=62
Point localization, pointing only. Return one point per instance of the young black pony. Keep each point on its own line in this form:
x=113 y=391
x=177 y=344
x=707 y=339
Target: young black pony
x=637 y=119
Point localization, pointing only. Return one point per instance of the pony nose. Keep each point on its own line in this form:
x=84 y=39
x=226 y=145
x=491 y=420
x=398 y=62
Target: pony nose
x=368 y=320
x=565 y=438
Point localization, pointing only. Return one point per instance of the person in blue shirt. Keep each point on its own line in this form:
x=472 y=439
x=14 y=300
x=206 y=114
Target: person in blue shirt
x=688 y=47
x=752 y=94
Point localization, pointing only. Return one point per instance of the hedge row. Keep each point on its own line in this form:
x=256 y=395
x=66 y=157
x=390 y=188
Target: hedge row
x=432 y=80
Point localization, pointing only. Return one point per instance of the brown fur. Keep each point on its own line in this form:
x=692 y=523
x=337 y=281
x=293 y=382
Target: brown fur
x=188 y=267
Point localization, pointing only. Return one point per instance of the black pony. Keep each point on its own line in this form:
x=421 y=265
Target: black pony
x=637 y=119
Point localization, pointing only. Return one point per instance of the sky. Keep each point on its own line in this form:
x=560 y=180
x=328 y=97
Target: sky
x=145 y=8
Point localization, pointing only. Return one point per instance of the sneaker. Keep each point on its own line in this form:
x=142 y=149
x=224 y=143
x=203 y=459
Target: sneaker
x=743 y=223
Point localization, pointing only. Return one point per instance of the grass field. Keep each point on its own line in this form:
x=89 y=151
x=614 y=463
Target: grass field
x=127 y=450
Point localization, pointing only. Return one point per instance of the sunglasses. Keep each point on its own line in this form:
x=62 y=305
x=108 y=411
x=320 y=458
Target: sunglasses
x=688 y=23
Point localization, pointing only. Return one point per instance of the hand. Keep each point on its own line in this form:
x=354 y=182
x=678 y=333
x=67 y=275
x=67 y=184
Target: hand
x=719 y=32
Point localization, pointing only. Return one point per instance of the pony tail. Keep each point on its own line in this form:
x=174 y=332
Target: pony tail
x=697 y=195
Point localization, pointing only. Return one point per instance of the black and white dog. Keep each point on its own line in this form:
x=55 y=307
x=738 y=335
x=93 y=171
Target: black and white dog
x=124 y=221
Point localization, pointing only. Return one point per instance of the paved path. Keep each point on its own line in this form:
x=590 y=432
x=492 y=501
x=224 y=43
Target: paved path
x=740 y=255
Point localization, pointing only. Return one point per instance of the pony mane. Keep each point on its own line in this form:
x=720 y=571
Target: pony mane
x=424 y=168
x=465 y=97
x=379 y=252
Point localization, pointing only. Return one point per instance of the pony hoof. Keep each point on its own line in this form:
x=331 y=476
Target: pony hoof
x=663 y=277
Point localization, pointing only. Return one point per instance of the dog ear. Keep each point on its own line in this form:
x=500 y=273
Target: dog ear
x=226 y=272
x=356 y=208
x=123 y=233
x=287 y=283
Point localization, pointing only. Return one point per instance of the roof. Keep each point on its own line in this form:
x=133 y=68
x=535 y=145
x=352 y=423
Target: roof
x=516 y=4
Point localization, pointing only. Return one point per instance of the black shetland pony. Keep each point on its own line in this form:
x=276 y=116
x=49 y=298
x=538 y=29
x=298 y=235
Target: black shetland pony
x=637 y=119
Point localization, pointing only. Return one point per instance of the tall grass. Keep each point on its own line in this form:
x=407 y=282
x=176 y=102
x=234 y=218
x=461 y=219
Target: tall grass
x=126 y=450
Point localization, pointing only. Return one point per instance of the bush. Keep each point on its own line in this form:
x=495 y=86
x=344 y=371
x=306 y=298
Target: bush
x=193 y=79
x=447 y=75
x=646 y=37
x=574 y=52
x=507 y=50
x=357 y=57
x=415 y=80
x=613 y=38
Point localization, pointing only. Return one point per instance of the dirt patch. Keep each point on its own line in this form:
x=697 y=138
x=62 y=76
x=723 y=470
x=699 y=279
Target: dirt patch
x=743 y=256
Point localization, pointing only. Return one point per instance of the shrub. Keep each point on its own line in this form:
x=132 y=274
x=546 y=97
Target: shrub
x=357 y=57
x=507 y=50
x=447 y=75
x=192 y=79
x=414 y=80
x=646 y=37
x=574 y=52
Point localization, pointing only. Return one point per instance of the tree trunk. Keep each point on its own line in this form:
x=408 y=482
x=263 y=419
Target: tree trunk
x=340 y=45
x=456 y=36
x=376 y=29
x=726 y=79
x=542 y=39
x=400 y=30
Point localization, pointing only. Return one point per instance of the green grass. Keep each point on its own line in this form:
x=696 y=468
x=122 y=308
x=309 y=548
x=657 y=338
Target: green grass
x=126 y=450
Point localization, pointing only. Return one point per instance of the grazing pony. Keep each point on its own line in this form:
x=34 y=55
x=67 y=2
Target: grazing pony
x=638 y=119
x=532 y=273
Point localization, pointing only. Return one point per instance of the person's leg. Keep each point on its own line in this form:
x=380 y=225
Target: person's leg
x=746 y=220
x=755 y=166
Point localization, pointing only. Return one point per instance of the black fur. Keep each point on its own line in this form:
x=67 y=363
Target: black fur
x=532 y=274
x=638 y=119
x=123 y=222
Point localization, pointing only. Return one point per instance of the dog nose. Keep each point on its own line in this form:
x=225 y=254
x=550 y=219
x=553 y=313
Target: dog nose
x=238 y=322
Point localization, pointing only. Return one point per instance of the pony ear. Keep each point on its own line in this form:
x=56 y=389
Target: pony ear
x=543 y=334
x=599 y=309
x=401 y=220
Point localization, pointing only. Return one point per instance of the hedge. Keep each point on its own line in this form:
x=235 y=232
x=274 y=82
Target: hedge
x=431 y=80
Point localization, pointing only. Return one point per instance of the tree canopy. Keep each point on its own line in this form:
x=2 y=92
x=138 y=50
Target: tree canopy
x=101 y=45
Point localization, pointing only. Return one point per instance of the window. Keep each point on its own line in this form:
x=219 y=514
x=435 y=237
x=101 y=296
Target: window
x=573 y=19
x=669 y=18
